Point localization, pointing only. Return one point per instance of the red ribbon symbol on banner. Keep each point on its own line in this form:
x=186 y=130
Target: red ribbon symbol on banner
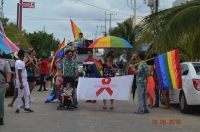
x=105 y=82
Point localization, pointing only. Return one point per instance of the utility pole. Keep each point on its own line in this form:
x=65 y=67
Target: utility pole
x=134 y=14
x=111 y=19
x=156 y=6
x=2 y=10
x=105 y=25
x=44 y=29
x=153 y=4
x=101 y=28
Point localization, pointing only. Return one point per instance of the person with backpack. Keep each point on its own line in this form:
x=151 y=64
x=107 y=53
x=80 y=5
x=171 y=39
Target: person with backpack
x=5 y=77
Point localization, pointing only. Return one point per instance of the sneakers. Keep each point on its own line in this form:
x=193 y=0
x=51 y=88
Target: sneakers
x=93 y=101
x=1 y=121
x=10 y=105
x=88 y=101
x=39 y=90
x=28 y=109
x=45 y=90
x=17 y=111
x=55 y=100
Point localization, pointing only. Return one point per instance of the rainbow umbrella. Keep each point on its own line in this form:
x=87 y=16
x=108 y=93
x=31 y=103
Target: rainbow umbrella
x=110 y=42
x=7 y=45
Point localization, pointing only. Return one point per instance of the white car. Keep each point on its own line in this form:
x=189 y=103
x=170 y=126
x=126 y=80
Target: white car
x=190 y=93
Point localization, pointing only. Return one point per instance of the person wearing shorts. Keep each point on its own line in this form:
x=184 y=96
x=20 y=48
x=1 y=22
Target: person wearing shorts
x=31 y=64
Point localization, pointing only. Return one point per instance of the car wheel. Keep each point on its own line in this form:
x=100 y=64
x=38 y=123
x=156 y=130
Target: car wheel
x=162 y=101
x=184 y=108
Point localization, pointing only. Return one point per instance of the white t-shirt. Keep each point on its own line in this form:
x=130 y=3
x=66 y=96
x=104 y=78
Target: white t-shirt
x=20 y=65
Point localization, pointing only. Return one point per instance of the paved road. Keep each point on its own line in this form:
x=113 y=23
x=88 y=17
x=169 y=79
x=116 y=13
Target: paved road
x=92 y=118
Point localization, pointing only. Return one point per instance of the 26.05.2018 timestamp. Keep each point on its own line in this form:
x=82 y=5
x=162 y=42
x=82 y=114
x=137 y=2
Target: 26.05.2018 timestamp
x=166 y=122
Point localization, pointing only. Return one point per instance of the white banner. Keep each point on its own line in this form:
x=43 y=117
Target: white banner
x=117 y=88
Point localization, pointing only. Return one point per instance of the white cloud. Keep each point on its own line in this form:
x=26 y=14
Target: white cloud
x=85 y=16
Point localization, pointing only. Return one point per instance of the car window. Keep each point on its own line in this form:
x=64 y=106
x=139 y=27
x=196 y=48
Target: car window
x=184 y=69
x=197 y=67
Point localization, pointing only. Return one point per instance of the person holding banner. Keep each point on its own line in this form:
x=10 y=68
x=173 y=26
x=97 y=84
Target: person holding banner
x=88 y=71
x=109 y=70
x=141 y=81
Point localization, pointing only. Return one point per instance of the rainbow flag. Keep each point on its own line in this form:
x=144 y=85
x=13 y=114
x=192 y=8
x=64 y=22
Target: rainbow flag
x=98 y=74
x=168 y=70
x=75 y=29
x=59 y=54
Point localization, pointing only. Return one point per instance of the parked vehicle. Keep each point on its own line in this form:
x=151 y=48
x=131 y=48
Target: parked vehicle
x=189 y=95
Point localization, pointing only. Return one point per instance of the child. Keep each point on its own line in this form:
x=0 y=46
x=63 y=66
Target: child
x=67 y=91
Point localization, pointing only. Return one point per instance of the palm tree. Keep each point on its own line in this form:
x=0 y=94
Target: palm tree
x=124 y=30
x=177 y=27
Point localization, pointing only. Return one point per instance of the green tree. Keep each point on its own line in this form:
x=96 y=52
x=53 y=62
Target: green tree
x=177 y=27
x=124 y=30
x=42 y=42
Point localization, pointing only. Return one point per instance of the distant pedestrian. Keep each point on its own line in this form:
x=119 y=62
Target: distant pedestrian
x=21 y=82
x=120 y=68
x=43 y=72
x=5 y=77
x=141 y=81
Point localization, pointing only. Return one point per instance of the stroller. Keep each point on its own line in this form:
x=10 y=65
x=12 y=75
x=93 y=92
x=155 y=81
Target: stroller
x=67 y=105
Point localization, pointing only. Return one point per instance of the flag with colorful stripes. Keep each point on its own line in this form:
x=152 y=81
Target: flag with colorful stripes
x=168 y=70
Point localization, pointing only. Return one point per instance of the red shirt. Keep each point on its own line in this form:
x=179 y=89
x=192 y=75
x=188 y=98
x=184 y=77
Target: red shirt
x=44 y=67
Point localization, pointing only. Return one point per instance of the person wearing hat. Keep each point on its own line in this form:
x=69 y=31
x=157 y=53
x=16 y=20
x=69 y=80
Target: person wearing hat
x=43 y=71
x=31 y=64
x=109 y=70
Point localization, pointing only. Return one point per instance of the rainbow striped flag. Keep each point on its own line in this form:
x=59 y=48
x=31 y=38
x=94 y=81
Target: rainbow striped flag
x=98 y=74
x=59 y=54
x=168 y=70
x=75 y=29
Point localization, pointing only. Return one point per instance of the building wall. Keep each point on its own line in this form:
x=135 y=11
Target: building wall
x=179 y=2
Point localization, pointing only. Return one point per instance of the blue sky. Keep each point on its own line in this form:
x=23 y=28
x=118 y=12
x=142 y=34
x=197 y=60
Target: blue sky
x=54 y=15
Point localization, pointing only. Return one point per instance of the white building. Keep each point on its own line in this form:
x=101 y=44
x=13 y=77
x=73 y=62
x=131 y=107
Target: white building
x=179 y=2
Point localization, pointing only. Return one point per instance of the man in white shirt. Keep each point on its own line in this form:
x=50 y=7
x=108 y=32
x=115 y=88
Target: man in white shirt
x=21 y=82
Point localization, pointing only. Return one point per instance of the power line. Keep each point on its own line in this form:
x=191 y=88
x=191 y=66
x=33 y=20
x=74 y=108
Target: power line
x=104 y=9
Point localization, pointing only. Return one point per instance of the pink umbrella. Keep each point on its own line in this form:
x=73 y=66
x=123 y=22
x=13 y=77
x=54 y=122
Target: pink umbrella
x=7 y=45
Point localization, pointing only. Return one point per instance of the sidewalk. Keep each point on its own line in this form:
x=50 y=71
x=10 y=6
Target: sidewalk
x=93 y=118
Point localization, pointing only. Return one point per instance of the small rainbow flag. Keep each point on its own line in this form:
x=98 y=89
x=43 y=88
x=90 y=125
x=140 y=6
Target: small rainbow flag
x=75 y=29
x=98 y=74
x=59 y=54
x=168 y=70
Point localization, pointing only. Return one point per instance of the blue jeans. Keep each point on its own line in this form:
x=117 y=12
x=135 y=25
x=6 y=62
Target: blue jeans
x=142 y=98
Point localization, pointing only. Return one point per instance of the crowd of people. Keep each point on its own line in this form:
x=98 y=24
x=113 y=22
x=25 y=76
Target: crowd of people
x=62 y=81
